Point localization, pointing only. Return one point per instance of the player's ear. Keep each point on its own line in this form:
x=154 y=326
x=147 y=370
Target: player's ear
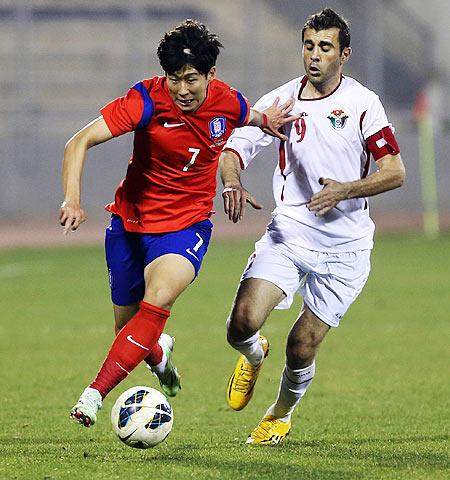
x=346 y=54
x=211 y=75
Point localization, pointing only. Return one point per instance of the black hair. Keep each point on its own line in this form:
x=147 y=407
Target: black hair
x=190 y=43
x=328 y=18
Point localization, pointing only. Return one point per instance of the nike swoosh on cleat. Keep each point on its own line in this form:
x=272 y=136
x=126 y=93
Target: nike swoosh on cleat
x=172 y=125
x=130 y=339
x=230 y=383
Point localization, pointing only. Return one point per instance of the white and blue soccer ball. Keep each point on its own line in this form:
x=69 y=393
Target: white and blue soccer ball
x=142 y=417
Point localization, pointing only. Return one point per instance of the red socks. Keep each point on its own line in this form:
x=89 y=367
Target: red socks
x=154 y=357
x=134 y=343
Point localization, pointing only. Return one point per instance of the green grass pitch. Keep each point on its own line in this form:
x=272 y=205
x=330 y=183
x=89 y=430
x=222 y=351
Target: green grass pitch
x=377 y=409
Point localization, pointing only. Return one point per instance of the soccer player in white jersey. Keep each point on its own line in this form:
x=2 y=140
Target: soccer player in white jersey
x=320 y=237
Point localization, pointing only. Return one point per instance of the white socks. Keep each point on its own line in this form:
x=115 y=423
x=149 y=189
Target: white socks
x=293 y=386
x=251 y=348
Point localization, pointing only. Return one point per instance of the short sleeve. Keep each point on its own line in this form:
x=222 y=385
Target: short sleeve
x=247 y=142
x=244 y=110
x=377 y=131
x=130 y=112
x=374 y=118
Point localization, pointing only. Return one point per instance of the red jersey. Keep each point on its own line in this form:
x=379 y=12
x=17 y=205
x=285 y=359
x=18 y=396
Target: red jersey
x=171 y=178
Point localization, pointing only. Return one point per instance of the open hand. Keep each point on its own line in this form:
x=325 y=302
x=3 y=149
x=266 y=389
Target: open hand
x=278 y=116
x=235 y=198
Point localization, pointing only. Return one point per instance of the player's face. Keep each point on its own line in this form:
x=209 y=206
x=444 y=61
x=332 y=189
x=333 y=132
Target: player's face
x=321 y=56
x=188 y=87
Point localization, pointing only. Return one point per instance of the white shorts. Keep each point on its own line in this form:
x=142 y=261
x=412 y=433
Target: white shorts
x=328 y=282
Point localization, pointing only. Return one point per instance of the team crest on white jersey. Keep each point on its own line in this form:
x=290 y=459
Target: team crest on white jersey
x=338 y=119
x=217 y=127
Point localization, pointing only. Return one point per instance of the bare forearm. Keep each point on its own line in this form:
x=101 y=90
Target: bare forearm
x=74 y=158
x=256 y=119
x=230 y=169
x=71 y=215
x=235 y=196
x=391 y=174
x=377 y=182
x=94 y=133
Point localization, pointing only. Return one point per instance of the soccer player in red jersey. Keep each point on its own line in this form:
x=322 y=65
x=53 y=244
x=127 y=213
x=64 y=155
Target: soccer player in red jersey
x=160 y=216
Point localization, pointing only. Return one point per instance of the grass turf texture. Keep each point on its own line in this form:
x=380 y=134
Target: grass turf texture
x=378 y=407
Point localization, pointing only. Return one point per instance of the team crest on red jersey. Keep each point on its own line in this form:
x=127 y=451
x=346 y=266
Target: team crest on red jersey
x=338 y=119
x=217 y=127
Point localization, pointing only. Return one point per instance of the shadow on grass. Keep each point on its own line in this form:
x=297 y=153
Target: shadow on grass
x=419 y=452
x=324 y=459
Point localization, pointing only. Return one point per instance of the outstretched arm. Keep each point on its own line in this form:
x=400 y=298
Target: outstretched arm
x=234 y=195
x=390 y=175
x=71 y=215
x=273 y=118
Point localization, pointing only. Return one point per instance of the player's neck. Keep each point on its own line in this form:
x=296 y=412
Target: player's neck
x=312 y=91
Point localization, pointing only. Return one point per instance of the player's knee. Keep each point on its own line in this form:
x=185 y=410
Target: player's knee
x=238 y=332
x=300 y=352
x=162 y=297
x=243 y=323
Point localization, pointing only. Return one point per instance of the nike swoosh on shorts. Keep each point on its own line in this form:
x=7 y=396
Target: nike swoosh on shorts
x=188 y=250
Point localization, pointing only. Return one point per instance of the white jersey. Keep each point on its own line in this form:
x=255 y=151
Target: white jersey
x=329 y=141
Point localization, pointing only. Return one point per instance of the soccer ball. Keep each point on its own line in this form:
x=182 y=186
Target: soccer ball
x=142 y=417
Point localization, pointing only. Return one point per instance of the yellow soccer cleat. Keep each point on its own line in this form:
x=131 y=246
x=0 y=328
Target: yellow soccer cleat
x=270 y=431
x=242 y=382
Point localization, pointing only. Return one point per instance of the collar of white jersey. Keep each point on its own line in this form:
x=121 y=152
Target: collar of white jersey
x=304 y=81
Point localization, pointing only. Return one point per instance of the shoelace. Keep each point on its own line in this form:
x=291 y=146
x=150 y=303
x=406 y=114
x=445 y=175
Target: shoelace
x=264 y=429
x=90 y=401
x=245 y=378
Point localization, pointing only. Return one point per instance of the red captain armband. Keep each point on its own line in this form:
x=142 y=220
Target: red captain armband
x=383 y=143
